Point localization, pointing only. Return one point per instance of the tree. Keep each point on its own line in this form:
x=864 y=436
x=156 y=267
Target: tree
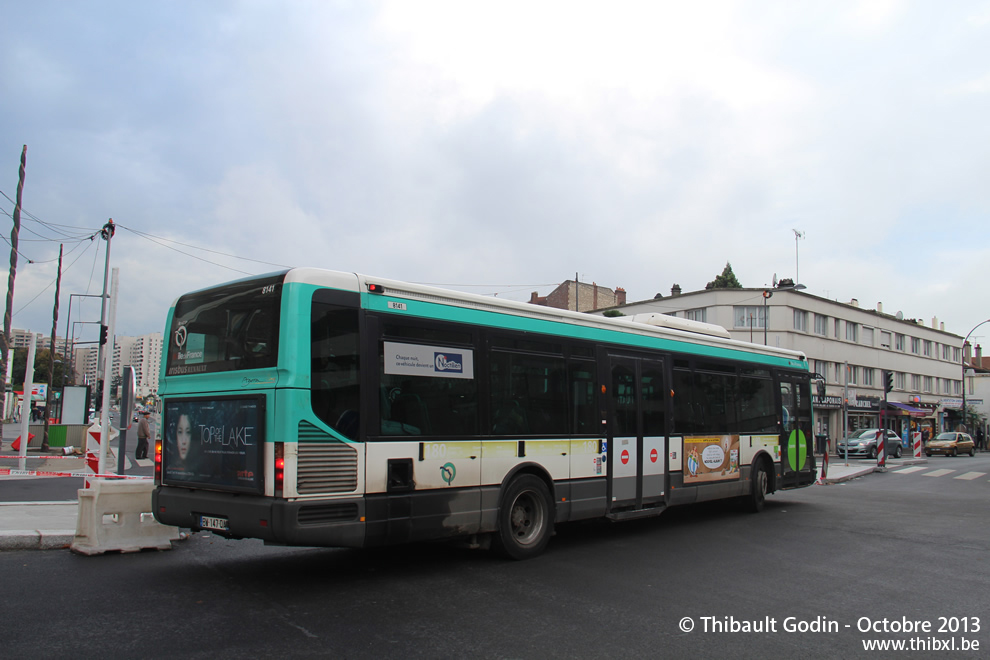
x=612 y=313
x=40 y=368
x=727 y=280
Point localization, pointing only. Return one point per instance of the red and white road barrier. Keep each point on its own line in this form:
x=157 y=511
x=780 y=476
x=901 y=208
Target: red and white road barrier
x=47 y=473
x=828 y=448
x=916 y=441
x=44 y=457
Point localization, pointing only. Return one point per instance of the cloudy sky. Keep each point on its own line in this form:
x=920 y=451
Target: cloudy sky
x=500 y=147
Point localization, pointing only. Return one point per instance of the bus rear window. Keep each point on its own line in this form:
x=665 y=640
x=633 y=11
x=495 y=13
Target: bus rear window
x=227 y=328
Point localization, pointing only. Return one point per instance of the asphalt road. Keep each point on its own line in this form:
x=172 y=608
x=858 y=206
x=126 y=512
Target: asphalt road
x=904 y=546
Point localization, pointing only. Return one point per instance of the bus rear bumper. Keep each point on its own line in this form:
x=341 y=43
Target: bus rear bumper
x=330 y=523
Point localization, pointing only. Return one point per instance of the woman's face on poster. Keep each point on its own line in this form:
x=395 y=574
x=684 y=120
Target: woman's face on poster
x=183 y=436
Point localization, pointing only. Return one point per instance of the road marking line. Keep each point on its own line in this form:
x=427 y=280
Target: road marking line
x=909 y=470
x=938 y=473
x=969 y=476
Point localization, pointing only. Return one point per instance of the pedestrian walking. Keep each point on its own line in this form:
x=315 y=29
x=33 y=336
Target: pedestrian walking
x=144 y=434
x=980 y=439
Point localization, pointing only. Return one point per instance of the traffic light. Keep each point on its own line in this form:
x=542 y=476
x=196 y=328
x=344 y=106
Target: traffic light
x=104 y=330
x=888 y=381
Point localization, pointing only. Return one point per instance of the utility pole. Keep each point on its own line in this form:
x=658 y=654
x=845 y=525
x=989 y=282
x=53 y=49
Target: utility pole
x=51 y=355
x=8 y=313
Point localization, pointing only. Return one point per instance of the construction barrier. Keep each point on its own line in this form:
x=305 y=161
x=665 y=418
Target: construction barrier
x=916 y=441
x=13 y=472
x=115 y=516
x=828 y=448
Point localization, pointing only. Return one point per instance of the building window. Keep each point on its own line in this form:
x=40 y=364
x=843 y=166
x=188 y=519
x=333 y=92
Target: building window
x=884 y=339
x=956 y=389
x=852 y=331
x=853 y=374
x=915 y=345
x=899 y=342
x=838 y=373
x=915 y=382
x=900 y=381
x=821 y=325
x=750 y=316
x=700 y=314
x=868 y=376
x=800 y=320
x=868 y=336
x=928 y=383
x=946 y=352
x=821 y=368
x=928 y=348
x=837 y=328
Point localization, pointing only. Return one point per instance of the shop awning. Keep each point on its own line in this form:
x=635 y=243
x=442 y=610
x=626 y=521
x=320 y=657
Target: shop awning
x=910 y=410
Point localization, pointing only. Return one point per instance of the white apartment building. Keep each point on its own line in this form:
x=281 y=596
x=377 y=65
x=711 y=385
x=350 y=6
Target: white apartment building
x=143 y=354
x=850 y=346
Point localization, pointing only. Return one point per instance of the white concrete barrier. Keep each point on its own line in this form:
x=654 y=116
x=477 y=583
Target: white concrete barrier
x=116 y=516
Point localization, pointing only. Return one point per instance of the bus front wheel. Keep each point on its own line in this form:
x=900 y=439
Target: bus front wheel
x=760 y=486
x=525 y=519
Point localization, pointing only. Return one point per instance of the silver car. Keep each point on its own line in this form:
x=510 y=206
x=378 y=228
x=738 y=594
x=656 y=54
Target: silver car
x=864 y=443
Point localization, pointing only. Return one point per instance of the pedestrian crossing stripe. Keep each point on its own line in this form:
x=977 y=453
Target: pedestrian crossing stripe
x=909 y=470
x=969 y=476
x=938 y=473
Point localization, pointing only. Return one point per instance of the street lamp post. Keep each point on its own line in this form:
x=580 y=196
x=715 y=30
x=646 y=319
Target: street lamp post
x=965 y=341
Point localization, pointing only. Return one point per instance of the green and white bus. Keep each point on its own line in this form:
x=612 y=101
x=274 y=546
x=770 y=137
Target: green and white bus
x=311 y=407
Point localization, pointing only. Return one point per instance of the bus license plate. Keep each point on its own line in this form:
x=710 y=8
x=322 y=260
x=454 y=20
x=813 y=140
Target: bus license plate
x=213 y=522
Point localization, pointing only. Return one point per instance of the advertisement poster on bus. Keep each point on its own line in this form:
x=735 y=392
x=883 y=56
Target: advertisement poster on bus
x=711 y=458
x=214 y=442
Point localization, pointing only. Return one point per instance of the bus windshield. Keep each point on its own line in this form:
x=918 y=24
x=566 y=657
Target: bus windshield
x=227 y=328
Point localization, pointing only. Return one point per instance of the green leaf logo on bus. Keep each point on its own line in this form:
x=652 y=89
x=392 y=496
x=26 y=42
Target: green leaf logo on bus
x=448 y=472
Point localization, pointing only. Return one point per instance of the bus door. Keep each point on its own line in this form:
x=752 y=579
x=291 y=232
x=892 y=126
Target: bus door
x=636 y=432
x=797 y=459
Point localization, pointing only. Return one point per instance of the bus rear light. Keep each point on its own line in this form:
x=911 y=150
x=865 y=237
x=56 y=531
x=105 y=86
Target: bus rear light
x=279 y=468
x=376 y=288
x=158 y=462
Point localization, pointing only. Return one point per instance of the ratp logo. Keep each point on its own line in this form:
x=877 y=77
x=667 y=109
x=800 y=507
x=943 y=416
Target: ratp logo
x=449 y=362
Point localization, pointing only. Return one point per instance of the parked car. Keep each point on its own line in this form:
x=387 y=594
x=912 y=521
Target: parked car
x=951 y=444
x=864 y=443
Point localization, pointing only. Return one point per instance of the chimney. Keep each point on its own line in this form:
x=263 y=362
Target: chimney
x=966 y=359
x=675 y=290
x=854 y=302
x=979 y=356
x=534 y=298
x=620 y=296
x=934 y=323
x=879 y=308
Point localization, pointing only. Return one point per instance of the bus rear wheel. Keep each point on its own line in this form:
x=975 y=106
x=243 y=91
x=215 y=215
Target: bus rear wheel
x=525 y=519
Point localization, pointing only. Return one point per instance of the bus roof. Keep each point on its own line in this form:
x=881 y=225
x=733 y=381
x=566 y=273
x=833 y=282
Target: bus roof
x=650 y=325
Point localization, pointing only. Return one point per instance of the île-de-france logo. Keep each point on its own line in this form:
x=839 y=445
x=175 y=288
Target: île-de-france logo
x=449 y=362
x=180 y=336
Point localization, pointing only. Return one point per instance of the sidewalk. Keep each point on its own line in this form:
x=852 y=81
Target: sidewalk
x=839 y=471
x=37 y=525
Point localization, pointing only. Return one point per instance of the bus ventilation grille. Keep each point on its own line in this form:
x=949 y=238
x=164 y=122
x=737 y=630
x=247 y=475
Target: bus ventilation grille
x=325 y=465
x=318 y=514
